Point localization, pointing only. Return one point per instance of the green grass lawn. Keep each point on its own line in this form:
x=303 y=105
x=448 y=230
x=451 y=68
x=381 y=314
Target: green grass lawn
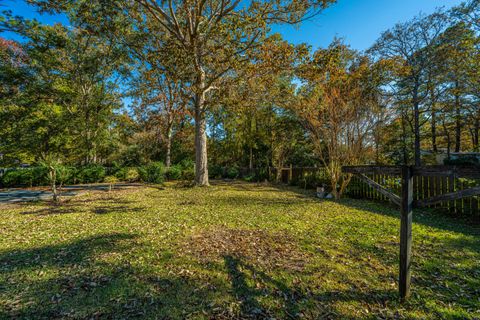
x=229 y=251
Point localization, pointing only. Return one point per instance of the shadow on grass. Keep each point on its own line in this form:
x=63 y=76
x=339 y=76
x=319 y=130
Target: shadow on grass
x=295 y=301
x=96 y=206
x=429 y=218
x=77 y=280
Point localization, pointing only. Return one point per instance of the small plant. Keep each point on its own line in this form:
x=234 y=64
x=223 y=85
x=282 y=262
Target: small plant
x=233 y=173
x=111 y=180
x=131 y=175
x=56 y=174
x=63 y=175
x=249 y=178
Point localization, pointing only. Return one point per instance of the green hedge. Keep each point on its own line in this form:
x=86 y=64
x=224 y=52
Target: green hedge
x=155 y=172
x=462 y=161
x=38 y=176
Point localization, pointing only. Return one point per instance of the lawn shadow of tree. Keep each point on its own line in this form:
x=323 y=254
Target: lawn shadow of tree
x=104 y=205
x=296 y=301
x=71 y=280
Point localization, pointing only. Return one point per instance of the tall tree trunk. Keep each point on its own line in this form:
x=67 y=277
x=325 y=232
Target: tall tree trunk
x=458 y=120
x=476 y=132
x=250 y=163
x=434 y=121
x=201 y=158
x=447 y=136
x=404 y=140
x=201 y=162
x=168 y=156
x=416 y=115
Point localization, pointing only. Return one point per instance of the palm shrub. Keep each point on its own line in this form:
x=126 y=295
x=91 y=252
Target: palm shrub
x=174 y=172
x=188 y=169
x=63 y=174
x=153 y=172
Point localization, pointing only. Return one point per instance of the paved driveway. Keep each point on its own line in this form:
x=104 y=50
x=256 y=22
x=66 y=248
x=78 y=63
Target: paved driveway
x=21 y=195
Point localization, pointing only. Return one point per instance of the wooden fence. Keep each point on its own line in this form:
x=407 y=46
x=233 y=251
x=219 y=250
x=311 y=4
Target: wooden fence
x=435 y=186
x=426 y=184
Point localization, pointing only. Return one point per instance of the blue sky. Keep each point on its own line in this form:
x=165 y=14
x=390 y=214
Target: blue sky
x=359 y=22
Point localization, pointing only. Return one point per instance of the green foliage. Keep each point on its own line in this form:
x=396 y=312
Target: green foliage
x=90 y=174
x=186 y=164
x=462 y=161
x=232 y=173
x=120 y=173
x=111 y=179
x=216 y=172
x=188 y=174
x=17 y=177
x=174 y=172
x=312 y=180
x=127 y=255
x=153 y=173
x=250 y=178
x=64 y=174
x=132 y=175
x=28 y=177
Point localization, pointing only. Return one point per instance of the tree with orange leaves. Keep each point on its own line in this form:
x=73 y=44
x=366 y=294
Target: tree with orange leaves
x=337 y=104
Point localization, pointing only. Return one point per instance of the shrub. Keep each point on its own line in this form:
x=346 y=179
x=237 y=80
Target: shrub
x=462 y=161
x=249 y=178
x=91 y=174
x=232 y=173
x=39 y=176
x=131 y=175
x=186 y=164
x=153 y=173
x=111 y=180
x=17 y=178
x=262 y=174
x=174 y=172
x=121 y=174
x=64 y=174
x=215 y=172
x=314 y=179
x=188 y=174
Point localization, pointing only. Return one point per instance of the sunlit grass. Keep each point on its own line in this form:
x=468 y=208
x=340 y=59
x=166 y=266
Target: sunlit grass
x=229 y=251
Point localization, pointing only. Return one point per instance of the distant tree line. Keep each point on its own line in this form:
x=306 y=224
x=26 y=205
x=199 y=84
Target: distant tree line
x=134 y=82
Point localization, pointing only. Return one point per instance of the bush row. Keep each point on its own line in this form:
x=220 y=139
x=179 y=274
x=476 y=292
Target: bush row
x=38 y=176
x=154 y=172
x=219 y=172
